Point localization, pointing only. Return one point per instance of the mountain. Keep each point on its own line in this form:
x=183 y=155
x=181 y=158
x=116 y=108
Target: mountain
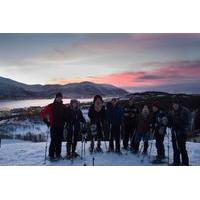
x=10 y=89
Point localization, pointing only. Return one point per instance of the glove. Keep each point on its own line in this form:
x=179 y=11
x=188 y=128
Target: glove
x=46 y=122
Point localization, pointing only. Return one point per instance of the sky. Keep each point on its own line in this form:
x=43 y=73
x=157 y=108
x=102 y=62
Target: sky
x=135 y=62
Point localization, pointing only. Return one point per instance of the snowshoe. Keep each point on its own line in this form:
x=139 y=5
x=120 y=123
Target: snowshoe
x=174 y=164
x=118 y=152
x=59 y=158
x=99 y=150
x=110 y=150
x=68 y=156
x=134 y=152
x=144 y=153
x=52 y=159
x=157 y=161
x=91 y=150
x=75 y=155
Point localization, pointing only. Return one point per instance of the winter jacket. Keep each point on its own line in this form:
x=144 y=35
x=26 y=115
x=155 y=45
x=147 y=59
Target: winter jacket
x=159 y=119
x=56 y=112
x=144 y=123
x=75 y=117
x=131 y=115
x=180 y=119
x=114 y=115
x=96 y=117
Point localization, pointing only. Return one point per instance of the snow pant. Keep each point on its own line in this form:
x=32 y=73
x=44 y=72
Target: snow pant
x=72 y=138
x=141 y=136
x=97 y=137
x=114 y=136
x=129 y=134
x=55 y=147
x=179 y=148
x=160 y=144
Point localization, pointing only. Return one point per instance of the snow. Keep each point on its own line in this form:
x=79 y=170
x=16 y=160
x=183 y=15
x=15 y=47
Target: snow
x=18 y=152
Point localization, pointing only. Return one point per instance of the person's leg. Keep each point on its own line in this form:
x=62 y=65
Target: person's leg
x=132 y=139
x=52 y=145
x=182 y=145
x=137 y=142
x=117 y=138
x=74 y=142
x=99 y=138
x=111 y=145
x=69 y=142
x=59 y=142
x=126 y=136
x=160 y=145
x=176 y=151
x=146 y=142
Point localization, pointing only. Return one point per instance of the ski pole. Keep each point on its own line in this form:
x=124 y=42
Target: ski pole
x=0 y=142
x=45 y=154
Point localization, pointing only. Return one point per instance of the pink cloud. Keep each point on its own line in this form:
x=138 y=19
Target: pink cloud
x=171 y=73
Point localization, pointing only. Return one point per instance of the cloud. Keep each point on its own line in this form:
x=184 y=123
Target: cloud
x=180 y=72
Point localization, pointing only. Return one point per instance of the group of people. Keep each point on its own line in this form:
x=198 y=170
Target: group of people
x=114 y=122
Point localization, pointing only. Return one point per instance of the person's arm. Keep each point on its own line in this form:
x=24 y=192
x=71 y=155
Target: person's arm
x=46 y=112
x=90 y=113
x=82 y=119
x=121 y=115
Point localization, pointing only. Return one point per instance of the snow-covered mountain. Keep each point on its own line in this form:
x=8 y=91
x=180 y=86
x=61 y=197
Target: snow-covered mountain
x=10 y=89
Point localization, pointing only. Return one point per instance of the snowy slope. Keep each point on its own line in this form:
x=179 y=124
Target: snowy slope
x=16 y=152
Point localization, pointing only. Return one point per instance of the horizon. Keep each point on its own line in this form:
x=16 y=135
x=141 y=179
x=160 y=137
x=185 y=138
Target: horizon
x=134 y=62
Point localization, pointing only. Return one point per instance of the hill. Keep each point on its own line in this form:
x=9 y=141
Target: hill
x=10 y=89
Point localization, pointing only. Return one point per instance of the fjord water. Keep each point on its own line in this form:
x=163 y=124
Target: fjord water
x=11 y=104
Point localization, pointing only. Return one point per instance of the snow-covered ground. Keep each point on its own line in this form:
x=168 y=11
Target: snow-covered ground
x=17 y=152
x=27 y=126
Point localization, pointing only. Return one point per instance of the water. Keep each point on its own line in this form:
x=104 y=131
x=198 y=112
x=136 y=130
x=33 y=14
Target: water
x=11 y=104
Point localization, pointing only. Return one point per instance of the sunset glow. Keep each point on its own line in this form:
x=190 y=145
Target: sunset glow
x=130 y=61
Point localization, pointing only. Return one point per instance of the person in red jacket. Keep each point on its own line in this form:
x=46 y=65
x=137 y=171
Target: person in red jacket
x=54 y=116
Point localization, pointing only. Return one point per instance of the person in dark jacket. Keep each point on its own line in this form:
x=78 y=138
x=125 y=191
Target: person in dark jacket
x=143 y=130
x=56 y=114
x=97 y=118
x=130 y=122
x=197 y=119
x=115 y=117
x=75 y=122
x=159 y=125
x=180 y=124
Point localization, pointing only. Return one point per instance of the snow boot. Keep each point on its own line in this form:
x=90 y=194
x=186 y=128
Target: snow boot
x=91 y=150
x=99 y=149
x=75 y=155
x=52 y=159
x=59 y=157
x=118 y=152
x=110 y=150
x=68 y=156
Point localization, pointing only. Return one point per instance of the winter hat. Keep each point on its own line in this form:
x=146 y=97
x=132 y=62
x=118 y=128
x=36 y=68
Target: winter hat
x=98 y=97
x=73 y=101
x=59 y=94
x=156 y=104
